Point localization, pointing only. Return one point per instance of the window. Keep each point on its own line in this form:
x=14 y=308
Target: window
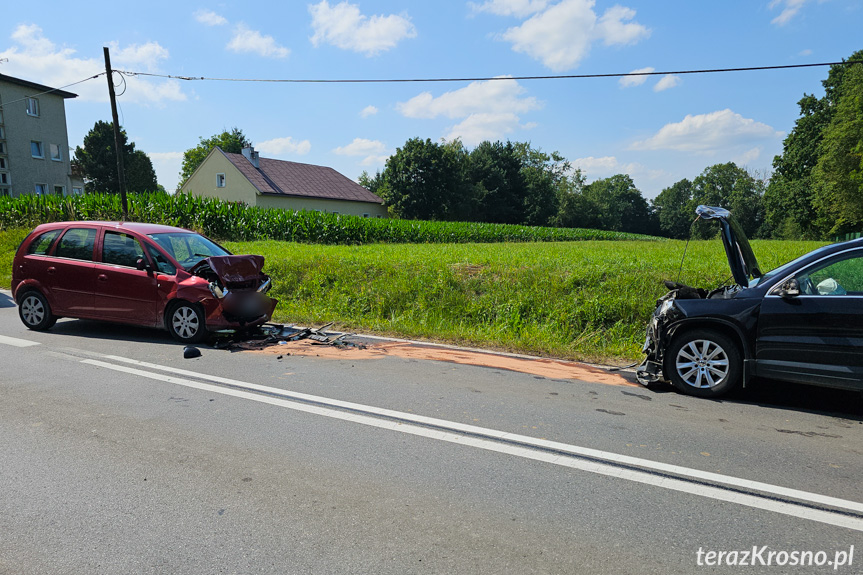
x=60 y=190
x=162 y=263
x=4 y=178
x=2 y=147
x=42 y=244
x=56 y=155
x=838 y=277
x=77 y=244
x=121 y=249
x=36 y=149
x=220 y=180
x=77 y=191
x=2 y=133
x=32 y=107
x=5 y=192
x=40 y=189
x=2 y=163
x=366 y=215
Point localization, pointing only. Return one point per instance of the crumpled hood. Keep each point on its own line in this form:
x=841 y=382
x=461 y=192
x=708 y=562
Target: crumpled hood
x=233 y=269
x=741 y=258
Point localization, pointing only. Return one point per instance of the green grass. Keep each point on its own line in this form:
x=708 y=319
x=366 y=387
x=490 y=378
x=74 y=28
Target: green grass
x=585 y=300
x=579 y=300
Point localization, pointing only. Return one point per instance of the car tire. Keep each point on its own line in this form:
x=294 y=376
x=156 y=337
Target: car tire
x=703 y=363
x=186 y=322
x=35 y=312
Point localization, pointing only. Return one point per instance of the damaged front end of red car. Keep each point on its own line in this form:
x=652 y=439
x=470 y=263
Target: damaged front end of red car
x=239 y=287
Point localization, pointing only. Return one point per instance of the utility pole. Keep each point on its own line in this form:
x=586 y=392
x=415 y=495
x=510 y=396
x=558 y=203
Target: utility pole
x=121 y=174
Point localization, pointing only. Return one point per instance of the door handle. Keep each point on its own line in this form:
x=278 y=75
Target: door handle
x=103 y=278
x=52 y=270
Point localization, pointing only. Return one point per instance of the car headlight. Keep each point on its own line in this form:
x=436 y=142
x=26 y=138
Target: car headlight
x=666 y=305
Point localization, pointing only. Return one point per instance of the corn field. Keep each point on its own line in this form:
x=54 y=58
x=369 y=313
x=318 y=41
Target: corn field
x=231 y=221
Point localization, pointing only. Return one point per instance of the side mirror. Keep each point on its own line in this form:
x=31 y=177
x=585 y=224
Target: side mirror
x=142 y=264
x=789 y=289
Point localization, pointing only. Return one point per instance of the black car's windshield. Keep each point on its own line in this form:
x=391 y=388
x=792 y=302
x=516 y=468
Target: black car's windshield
x=188 y=248
x=781 y=270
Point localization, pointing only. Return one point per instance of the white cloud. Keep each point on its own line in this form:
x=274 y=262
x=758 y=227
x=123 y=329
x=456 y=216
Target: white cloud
x=708 y=133
x=479 y=127
x=667 y=82
x=34 y=57
x=561 y=36
x=790 y=8
x=748 y=156
x=489 y=110
x=806 y=52
x=373 y=150
x=246 y=40
x=492 y=96
x=519 y=8
x=361 y=147
x=607 y=166
x=629 y=81
x=368 y=111
x=343 y=26
x=284 y=146
x=210 y=18
x=137 y=57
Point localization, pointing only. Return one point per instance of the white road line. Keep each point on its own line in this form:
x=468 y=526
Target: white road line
x=15 y=342
x=609 y=456
x=454 y=434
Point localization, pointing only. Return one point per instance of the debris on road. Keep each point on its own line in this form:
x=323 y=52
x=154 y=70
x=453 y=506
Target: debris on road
x=276 y=334
x=191 y=352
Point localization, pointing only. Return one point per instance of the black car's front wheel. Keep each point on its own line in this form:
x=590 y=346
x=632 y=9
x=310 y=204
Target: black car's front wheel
x=703 y=362
x=186 y=322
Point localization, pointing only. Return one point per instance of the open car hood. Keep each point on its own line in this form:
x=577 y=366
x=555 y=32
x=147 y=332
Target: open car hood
x=233 y=269
x=741 y=259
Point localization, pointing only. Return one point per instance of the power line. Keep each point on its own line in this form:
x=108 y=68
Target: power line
x=54 y=89
x=487 y=78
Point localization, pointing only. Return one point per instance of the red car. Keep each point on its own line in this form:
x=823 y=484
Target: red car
x=136 y=273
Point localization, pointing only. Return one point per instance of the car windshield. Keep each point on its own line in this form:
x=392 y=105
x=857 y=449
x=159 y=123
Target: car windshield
x=188 y=248
x=784 y=267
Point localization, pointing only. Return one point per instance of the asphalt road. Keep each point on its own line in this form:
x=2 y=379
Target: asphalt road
x=120 y=456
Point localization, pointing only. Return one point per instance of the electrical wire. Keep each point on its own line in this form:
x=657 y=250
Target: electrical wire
x=54 y=89
x=485 y=78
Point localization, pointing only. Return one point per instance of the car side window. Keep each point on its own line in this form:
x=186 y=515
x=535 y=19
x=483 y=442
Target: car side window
x=162 y=263
x=837 y=277
x=121 y=249
x=42 y=244
x=77 y=243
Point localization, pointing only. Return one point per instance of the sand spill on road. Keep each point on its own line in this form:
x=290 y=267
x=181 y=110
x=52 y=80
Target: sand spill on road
x=550 y=368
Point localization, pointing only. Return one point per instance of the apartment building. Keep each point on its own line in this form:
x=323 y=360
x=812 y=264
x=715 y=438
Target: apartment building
x=34 y=145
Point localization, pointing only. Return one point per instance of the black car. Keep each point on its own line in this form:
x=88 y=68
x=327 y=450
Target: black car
x=802 y=322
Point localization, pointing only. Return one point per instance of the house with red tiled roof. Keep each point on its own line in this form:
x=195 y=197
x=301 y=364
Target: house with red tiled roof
x=268 y=183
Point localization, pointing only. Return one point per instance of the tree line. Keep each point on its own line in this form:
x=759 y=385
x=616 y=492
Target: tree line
x=814 y=192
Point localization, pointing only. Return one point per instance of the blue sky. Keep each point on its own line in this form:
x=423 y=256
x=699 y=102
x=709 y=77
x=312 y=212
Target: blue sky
x=658 y=129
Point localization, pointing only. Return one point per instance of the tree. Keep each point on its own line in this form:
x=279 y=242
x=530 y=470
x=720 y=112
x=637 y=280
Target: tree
x=97 y=161
x=837 y=178
x=546 y=177
x=425 y=180
x=674 y=210
x=232 y=142
x=792 y=209
x=731 y=187
x=620 y=205
x=494 y=171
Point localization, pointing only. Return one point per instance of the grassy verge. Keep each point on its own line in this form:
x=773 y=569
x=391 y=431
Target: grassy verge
x=581 y=300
